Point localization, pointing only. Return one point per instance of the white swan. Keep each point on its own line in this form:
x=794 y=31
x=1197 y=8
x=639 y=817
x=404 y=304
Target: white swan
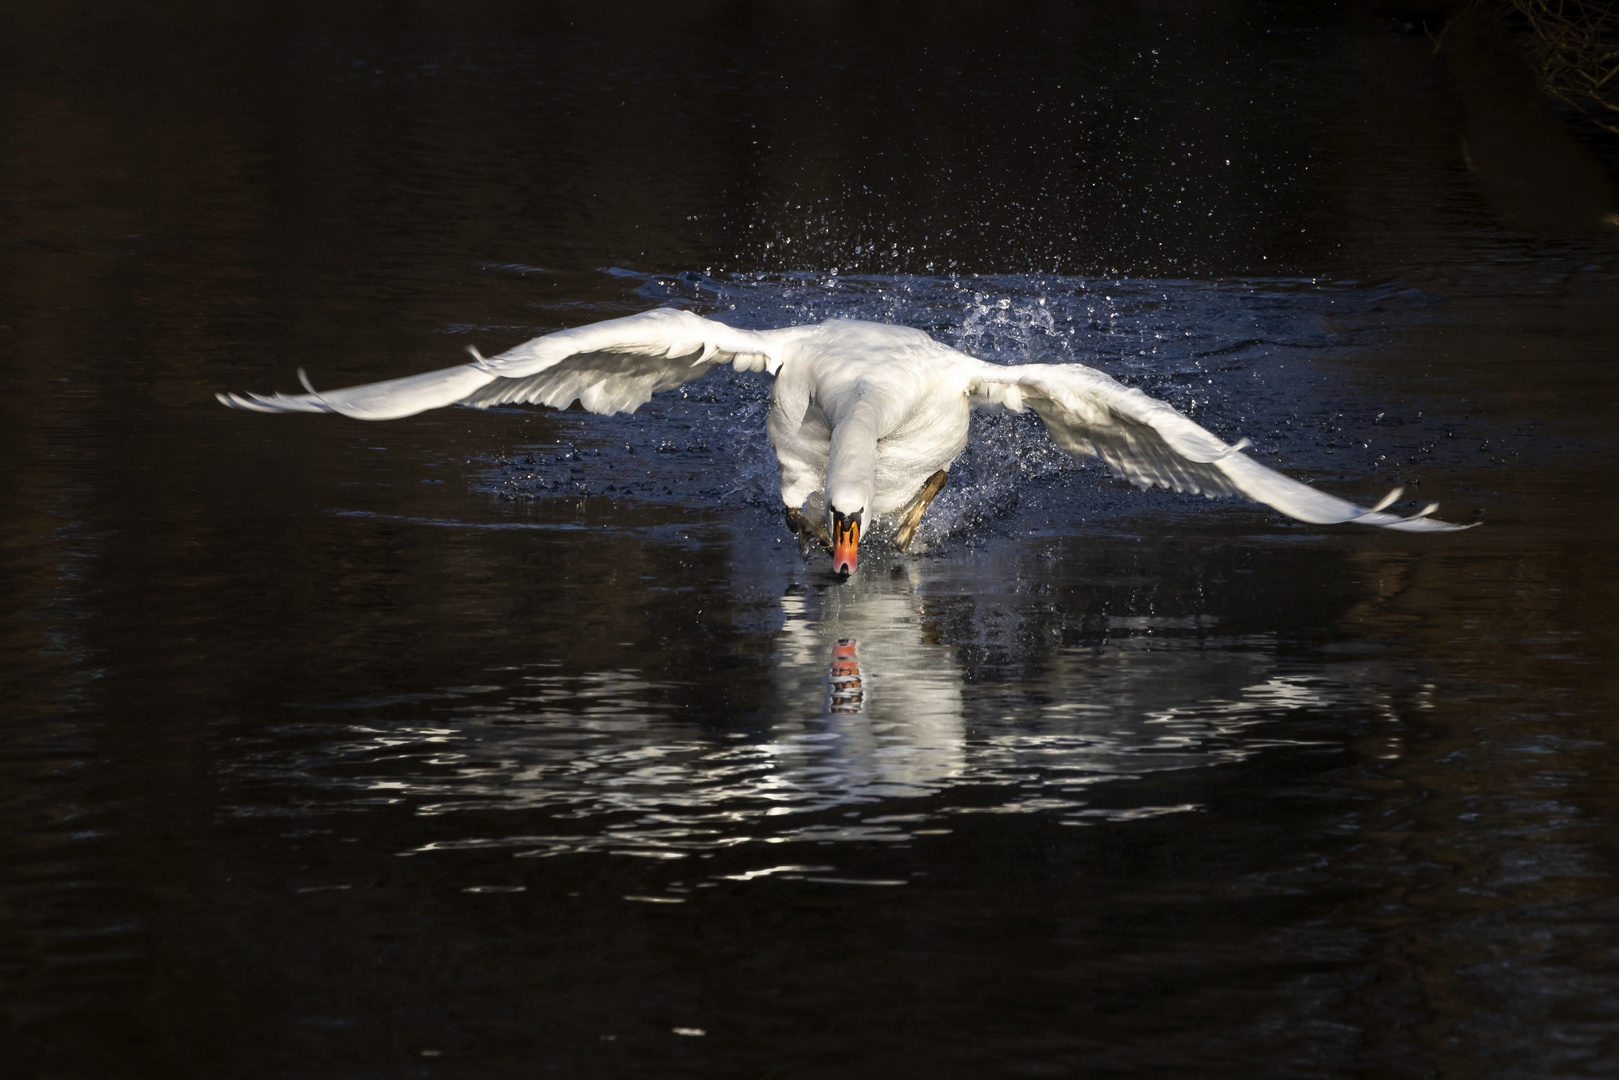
x=868 y=414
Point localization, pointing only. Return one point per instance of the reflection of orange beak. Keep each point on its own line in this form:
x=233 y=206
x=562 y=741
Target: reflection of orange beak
x=845 y=541
x=847 y=694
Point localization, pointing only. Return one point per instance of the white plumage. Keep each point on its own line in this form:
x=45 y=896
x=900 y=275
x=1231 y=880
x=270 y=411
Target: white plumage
x=864 y=412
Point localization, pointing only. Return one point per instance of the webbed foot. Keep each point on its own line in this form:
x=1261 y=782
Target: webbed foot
x=807 y=529
x=912 y=518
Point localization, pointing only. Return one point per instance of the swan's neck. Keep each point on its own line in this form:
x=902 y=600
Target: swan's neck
x=851 y=468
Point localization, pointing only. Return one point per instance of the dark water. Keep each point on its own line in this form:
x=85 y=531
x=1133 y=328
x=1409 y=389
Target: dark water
x=522 y=743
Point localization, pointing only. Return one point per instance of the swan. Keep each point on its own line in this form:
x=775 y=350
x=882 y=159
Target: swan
x=866 y=414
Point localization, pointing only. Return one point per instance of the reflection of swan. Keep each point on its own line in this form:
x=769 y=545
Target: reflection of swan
x=867 y=415
x=899 y=731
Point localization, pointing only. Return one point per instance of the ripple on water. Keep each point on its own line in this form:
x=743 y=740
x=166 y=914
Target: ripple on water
x=592 y=759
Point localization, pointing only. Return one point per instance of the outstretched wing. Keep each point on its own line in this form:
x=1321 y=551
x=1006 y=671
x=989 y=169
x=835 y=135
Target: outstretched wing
x=608 y=367
x=1090 y=414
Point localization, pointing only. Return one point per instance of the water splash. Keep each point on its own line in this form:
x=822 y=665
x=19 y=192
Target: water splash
x=1218 y=351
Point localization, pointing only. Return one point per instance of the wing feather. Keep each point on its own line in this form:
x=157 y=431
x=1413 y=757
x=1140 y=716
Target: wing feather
x=1146 y=441
x=608 y=367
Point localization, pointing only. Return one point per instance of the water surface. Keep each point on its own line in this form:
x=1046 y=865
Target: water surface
x=526 y=743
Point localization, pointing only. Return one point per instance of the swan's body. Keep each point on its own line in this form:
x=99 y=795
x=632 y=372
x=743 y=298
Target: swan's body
x=867 y=413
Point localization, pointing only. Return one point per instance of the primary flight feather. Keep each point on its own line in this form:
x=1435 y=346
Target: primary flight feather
x=869 y=415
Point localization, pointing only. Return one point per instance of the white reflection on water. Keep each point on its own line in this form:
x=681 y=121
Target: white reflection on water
x=903 y=734
x=599 y=764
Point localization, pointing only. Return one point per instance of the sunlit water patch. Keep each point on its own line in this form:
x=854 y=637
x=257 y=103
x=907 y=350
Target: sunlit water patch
x=1244 y=358
x=928 y=687
x=943 y=684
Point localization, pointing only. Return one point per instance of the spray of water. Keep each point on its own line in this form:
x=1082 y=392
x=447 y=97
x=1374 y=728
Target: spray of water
x=1219 y=352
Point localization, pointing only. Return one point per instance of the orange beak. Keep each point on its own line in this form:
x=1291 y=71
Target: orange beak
x=845 y=541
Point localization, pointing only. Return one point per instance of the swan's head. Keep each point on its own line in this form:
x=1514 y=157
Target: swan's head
x=848 y=500
x=845 y=540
